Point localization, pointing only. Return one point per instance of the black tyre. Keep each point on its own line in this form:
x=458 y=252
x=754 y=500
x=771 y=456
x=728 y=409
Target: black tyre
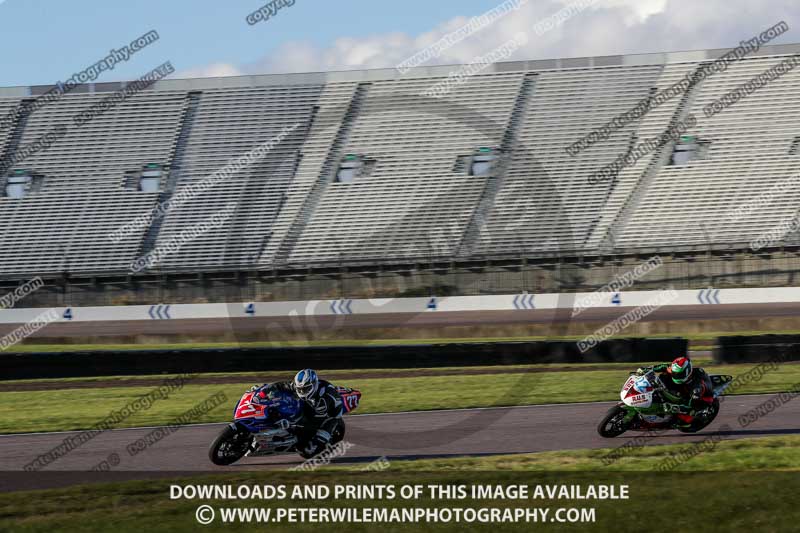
x=229 y=446
x=613 y=424
x=337 y=434
x=700 y=423
x=306 y=455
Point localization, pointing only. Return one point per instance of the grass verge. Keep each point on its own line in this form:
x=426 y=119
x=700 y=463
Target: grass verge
x=27 y=348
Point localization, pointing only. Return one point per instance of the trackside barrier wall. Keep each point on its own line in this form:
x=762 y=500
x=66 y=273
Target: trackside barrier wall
x=137 y=362
x=757 y=348
x=432 y=304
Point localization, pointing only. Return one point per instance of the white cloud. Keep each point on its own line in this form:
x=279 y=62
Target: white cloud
x=209 y=71
x=605 y=28
x=637 y=12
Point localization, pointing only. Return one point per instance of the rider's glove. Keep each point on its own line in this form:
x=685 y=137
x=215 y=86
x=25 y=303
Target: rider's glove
x=254 y=388
x=641 y=371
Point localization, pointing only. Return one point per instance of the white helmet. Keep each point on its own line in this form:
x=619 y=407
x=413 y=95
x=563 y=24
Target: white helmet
x=306 y=383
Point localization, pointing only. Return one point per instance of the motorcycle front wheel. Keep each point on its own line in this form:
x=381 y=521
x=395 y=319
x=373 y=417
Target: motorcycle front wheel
x=229 y=446
x=613 y=424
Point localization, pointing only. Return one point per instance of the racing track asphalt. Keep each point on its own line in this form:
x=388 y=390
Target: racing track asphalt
x=399 y=436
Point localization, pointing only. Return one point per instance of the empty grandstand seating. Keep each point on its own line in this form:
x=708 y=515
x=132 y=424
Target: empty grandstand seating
x=546 y=202
x=414 y=203
x=411 y=195
x=749 y=154
x=226 y=124
x=65 y=225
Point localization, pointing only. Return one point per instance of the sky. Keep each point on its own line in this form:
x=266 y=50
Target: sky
x=45 y=41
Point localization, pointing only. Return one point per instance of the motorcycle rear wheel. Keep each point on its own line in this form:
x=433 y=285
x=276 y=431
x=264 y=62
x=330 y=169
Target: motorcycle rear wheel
x=613 y=424
x=229 y=446
x=337 y=435
x=697 y=425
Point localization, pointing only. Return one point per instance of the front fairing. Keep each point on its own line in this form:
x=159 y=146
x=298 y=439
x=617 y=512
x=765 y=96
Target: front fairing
x=247 y=408
x=279 y=409
x=637 y=392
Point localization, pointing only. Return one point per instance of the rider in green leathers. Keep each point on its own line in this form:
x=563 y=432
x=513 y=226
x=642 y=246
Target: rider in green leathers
x=689 y=388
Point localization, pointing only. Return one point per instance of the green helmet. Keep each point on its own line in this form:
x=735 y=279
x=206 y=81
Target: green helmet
x=680 y=370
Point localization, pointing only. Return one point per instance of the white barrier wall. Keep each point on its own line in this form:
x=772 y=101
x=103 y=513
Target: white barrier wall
x=505 y=302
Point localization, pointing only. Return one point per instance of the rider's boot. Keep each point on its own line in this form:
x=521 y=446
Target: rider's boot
x=683 y=420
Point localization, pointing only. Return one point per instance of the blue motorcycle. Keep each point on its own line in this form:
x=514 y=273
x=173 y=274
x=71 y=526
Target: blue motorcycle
x=270 y=426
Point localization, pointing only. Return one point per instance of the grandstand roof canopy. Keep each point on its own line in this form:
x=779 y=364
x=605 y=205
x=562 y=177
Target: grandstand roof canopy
x=659 y=58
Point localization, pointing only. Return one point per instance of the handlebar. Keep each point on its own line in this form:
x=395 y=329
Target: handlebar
x=652 y=377
x=656 y=381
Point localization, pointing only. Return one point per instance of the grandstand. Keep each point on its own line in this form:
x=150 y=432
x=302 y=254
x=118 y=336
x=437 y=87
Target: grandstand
x=379 y=190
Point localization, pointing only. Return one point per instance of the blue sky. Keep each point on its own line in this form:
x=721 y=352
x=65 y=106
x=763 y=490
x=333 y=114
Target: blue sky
x=44 y=41
x=61 y=37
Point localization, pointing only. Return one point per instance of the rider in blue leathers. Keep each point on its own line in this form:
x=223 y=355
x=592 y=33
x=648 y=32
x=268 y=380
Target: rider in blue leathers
x=322 y=409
